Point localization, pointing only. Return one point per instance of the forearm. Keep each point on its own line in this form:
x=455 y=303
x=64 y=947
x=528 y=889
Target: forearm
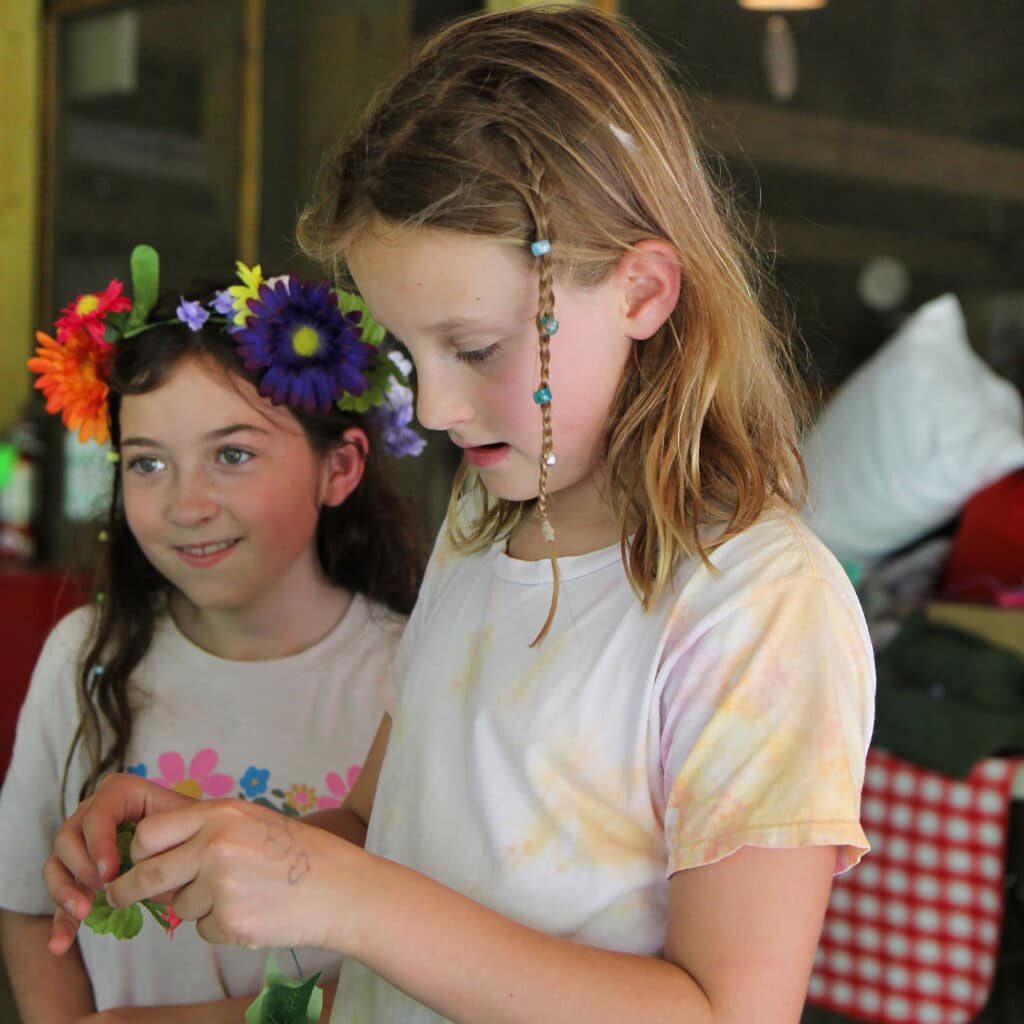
x=471 y=964
x=340 y=821
x=48 y=989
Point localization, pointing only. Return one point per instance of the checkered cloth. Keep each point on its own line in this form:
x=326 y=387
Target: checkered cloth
x=911 y=933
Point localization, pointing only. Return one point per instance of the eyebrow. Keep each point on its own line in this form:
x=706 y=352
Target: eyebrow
x=453 y=324
x=213 y=435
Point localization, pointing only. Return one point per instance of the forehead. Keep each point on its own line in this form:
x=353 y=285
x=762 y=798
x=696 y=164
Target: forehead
x=199 y=395
x=417 y=280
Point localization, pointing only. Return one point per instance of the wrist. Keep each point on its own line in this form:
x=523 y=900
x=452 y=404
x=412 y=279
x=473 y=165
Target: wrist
x=348 y=926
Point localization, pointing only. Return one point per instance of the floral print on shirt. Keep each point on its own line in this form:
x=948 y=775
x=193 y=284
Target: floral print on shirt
x=199 y=779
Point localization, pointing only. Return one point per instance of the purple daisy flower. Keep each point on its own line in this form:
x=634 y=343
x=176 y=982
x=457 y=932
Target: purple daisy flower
x=311 y=351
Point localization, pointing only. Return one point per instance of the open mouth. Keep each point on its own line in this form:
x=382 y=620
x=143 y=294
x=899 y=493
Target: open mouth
x=484 y=455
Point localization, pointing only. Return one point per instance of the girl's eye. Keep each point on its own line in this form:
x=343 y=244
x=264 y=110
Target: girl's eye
x=234 y=456
x=146 y=465
x=478 y=356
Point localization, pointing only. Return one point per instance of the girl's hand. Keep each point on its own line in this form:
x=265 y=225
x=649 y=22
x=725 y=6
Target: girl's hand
x=85 y=853
x=246 y=874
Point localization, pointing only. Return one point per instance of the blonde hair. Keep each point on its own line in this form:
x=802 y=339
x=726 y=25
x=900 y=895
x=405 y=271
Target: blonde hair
x=563 y=124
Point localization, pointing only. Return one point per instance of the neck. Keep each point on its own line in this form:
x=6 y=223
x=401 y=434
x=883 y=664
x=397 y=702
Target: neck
x=280 y=624
x=582 y=523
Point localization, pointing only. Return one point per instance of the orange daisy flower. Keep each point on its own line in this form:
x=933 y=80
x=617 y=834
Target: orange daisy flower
x=88 y=311
x=73 y=376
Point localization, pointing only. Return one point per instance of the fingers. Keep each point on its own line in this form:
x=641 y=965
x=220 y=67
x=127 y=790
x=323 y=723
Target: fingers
x=158 y=875
x=65 y=890
x=122 y=798
x=63 y=933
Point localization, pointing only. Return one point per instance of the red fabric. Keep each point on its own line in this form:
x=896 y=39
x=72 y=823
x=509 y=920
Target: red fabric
x=31 y=603
x=911 y=933
x=988 y=550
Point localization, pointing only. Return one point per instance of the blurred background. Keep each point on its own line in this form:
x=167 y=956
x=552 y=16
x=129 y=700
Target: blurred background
x=877 y=147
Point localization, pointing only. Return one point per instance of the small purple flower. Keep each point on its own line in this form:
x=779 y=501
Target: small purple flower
x=393 y=416
x=312 y=352
x=192 y=314
x=223 y=303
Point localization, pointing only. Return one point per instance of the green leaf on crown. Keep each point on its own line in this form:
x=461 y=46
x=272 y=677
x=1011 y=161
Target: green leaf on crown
x=145 y=265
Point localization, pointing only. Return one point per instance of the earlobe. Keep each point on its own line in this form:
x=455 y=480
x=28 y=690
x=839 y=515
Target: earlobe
x=343 y=467
x=651 y=279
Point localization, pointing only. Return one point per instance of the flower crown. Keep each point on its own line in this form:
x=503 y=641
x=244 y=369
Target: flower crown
x=313 y=346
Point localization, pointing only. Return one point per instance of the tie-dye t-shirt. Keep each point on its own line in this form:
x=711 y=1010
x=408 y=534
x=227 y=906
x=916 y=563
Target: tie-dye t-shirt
x=563 y=785
x=289 y=733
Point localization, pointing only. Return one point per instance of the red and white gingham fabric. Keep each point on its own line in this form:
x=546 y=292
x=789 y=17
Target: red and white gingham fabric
x=911 y=933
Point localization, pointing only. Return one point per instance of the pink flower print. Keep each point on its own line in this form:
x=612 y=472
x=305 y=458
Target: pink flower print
x=200 y=778
x=338 y=786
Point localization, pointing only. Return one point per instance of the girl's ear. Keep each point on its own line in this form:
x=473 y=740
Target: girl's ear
x=651 y=280
x=343 y=467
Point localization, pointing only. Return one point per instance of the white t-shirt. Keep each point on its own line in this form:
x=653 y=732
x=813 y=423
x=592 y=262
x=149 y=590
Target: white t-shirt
x=563 y=785
x=291 y=733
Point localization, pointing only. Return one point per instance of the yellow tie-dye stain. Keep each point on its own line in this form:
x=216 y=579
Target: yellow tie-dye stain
x=479 y=647
x=540 y=665
x=586 y=810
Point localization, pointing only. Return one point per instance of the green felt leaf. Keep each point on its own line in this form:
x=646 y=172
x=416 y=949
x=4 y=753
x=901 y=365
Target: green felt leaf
x=159 y=913
x=348 y=302
x=284 y=1001
x=145 y=286
x=123 y=923
x=378 y=378
x=116 y=324
x=8 y=457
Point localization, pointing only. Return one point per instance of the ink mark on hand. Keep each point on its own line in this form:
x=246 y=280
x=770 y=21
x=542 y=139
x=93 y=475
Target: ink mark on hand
x=278 y=842
x=298 y=868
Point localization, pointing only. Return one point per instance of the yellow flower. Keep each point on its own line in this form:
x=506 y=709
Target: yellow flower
x=251 y=278
x=302 y=798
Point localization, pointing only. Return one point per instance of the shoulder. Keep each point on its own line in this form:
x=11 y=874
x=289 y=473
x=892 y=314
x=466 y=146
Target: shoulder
x=66 y=641
x=382 y=623
x=776 y=576
x=777 y=552
x=52 y=687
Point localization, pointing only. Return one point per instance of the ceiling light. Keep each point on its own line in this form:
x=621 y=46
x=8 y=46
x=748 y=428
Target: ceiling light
x=782 y=5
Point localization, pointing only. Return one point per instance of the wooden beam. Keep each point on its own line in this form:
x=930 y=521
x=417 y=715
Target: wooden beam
x=848 y=246
x=20 y=72
x=837 y=147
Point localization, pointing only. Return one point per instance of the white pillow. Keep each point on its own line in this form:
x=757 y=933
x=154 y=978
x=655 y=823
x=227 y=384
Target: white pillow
x=909 y=437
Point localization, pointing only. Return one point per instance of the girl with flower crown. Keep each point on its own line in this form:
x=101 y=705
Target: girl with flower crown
x=635 y=695
x=257 y=571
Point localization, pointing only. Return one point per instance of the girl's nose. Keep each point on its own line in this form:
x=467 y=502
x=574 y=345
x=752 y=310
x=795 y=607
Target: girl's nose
x=192 y=501
x=441 y=403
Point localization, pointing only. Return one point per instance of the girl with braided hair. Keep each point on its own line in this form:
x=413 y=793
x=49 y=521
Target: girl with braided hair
x=635 y=694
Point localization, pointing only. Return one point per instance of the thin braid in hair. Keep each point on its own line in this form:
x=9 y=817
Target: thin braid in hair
x=546 y=326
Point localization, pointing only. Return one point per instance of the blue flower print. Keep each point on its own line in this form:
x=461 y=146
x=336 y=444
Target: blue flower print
x=137 y=769
x=254 y=781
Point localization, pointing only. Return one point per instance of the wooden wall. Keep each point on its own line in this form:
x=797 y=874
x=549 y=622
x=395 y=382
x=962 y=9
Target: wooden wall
x=20 y=49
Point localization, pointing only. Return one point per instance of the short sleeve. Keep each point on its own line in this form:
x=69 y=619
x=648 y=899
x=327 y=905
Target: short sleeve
x=767 y=717
x=30 y=805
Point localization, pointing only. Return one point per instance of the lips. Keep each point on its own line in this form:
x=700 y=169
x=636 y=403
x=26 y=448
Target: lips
x=204 y=556
x=207 y=549
x=485 y=455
